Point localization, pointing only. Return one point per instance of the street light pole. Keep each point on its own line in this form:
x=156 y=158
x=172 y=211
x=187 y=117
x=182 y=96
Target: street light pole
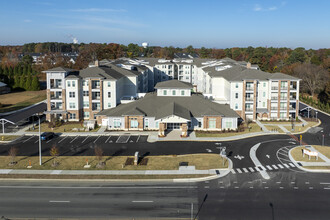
x=40 y=160
x=316 y=115
x=322 y=139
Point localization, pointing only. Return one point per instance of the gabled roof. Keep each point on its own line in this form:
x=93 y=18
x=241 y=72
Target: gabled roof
x=173 y=84
x=59 y=69
x=173 y=108
x=2 y=84
x=135 y=111
x=280 y=76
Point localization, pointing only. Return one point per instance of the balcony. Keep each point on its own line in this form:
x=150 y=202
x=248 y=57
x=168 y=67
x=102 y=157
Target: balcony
x=249 y=98
x=56 y=108
x=293 y=88
x=274 y=88
x=56 y=97
x=284 y=98
x=96 y=98
x=274 y=98
x=55 y=86
x=273 y=108
x=249 y=89
x=292 y=108
x=283 y=108
x=292 y=98
x=284 y=88
x=249 y=109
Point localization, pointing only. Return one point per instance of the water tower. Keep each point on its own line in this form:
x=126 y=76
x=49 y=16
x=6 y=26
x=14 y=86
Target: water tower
x=145 y=44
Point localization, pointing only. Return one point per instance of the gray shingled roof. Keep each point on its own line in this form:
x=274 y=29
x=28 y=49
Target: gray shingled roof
x=229 y=74
x=280 y=76
x=162 y=106
x=59 y=69
x=173 y=84
x=107 y=72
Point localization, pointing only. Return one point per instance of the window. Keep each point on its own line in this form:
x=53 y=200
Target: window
x=236 y=106
x=109 y=84
x=109 y=94
x=236 y=95
x=157 y=124
x=86 y=114
x=72 y=94
x=72 y=116
x=264 y=84
x=263 y=104
x=182 y=92
x=72 y=105
x=109 y=104
x=212 y=123
x=173 y=92
x=169 y=67
x=69 y=84
x=264 y=94
x=169 y=72
x=85 y=93
x=199 y=124
x=86 y=104
x=146 y=122
x=134 y=123
x=187 y=77
x=228 y=124
x=73 y=83
x=164 y=92
x=117 y=123
x=180 y=66
x=282 y=115
x=236 y=86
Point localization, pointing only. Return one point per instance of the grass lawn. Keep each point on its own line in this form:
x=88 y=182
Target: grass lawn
x=280 y=122
x=65 y=127
x=8 y=137
x=301 y=128
x=317 y=167
x=18 y=100
x=325 y=150
x=200 y=161
x=254 y=128
x=272 y=127
x=296 y=153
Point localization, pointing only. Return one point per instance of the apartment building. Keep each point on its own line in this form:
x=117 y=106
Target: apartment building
x=172 y=106
x=76 y=95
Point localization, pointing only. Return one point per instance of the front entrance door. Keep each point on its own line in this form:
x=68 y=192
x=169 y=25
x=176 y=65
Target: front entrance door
x=173 y=126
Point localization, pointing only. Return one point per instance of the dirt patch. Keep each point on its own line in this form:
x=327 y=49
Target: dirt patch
x=16 y=97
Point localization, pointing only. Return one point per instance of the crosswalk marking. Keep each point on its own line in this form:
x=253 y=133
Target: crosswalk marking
x=252 y=170
x=233 y=171
x=275 y=167
x=280 y=166
x=292 y=165
x=257 y=169
x=287 y=166
x=238 y=170
x=269 y=167
x=245 y=170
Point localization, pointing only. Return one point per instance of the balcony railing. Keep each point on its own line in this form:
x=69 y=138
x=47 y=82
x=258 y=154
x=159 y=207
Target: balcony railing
x=274 y=108
x=56 y=108
x=274 y=88
x=292 y=98
x=274 y=98
x=96 y=98
x=96 y=109
x=55 y=87
x=283 y=108
x=249 y=88
x=292 y=108
x=284 y=88
x=293 y=88
x=56 y=97
x=249 y=99
x=249 y=109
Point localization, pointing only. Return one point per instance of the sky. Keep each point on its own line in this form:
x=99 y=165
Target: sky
x=178 y=23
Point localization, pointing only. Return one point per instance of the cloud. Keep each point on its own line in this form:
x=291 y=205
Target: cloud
x=27 y=20
x=258 y=7
x=97 y=10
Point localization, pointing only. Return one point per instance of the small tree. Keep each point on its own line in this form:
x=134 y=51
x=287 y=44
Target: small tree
x=54 y=152
x=99 y=155
x=35 y=84
x=13 y=151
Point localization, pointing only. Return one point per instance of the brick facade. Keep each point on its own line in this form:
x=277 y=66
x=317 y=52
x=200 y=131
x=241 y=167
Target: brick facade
x=218 y=121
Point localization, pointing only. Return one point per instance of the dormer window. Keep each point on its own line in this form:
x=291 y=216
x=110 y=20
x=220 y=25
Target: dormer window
x=173 y=92
x=164 y=92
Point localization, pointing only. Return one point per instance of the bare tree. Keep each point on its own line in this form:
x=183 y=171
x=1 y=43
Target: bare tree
x=54 y=152
x=13 y=151
x=313 y=77
x=99 y=154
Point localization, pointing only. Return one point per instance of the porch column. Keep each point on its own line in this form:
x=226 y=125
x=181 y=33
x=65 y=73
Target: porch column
x=184 y=129
x=161 y=132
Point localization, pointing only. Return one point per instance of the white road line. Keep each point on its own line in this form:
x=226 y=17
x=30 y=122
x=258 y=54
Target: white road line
x=325 y=183
x=49 y=140
x=143 y=201
x=36 y=141
x=286 y=159
x=252 y=170
x=326 y=188
x=245 y=170
x=264 y=182
x=206 y=187
x=221 y=187
x=311 y=187
x=278 y=182
x=28 y=139
x=85 y=139
x=283 y=154
x=266 y=187
x=275 y=167
x=236 y=187
x=239 y=170
x=295 y=187
x=73 y=139
x=97 y=139
x=99 y=187
x=251 y=187
x=253 y=156
x=280 y=166
x=281 y=187
x=269 y=167
x=257 y=169
x=62 y=139
x=249 y=182
x=232 y=171
x=138 y=138
x=306 y=182
x=58 y=201
x=287 y=166
x=293 y=182
x=235 y=181
x=107 y=139
x=292 y=165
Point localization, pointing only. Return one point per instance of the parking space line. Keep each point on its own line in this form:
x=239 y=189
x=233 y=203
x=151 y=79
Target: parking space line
x=85 y=139
x=62 y=139
x=97 y=139
x=138 y=138
x=49 y=141
x=36 y=141
x=73 y=139
x=28 y=139
x=107 y=139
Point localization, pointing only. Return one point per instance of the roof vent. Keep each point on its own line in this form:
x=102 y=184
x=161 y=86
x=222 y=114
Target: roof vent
x=248 y=65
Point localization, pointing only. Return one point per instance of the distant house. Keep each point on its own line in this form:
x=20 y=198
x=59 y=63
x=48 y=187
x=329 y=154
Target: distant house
x=4 y=88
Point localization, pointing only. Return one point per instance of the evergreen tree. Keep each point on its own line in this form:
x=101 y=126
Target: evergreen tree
x=35 y=84
x=16 y=70
x=22 y=82
x=24 y=70
x=28 y=83
x=17 y=81
x=10 y=71
x=6 y=70
x=20 y=69
x=1 y=71
x=29 y=69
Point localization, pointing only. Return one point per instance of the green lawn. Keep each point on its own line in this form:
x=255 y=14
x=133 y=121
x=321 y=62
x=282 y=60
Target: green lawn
x=296 y=153
x=8 y=137
x=254 y=128
x=301 y=128
x=272 y=127
x=171 y=162
x=65 y=127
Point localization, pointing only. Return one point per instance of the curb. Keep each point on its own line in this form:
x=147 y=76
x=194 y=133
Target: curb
x=315 y=108
x=253 y=156
x=304 y=169
x=13 y=112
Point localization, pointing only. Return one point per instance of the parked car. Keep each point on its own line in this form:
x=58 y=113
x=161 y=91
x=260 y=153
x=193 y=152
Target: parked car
x=47 y=135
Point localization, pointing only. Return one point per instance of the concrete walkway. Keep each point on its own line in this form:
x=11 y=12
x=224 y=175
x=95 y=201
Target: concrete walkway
x=262 y=126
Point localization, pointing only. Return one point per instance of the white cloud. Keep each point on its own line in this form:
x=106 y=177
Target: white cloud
x=272 y=8
x=258 y=7
x=97 y=10
x=27 y=20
